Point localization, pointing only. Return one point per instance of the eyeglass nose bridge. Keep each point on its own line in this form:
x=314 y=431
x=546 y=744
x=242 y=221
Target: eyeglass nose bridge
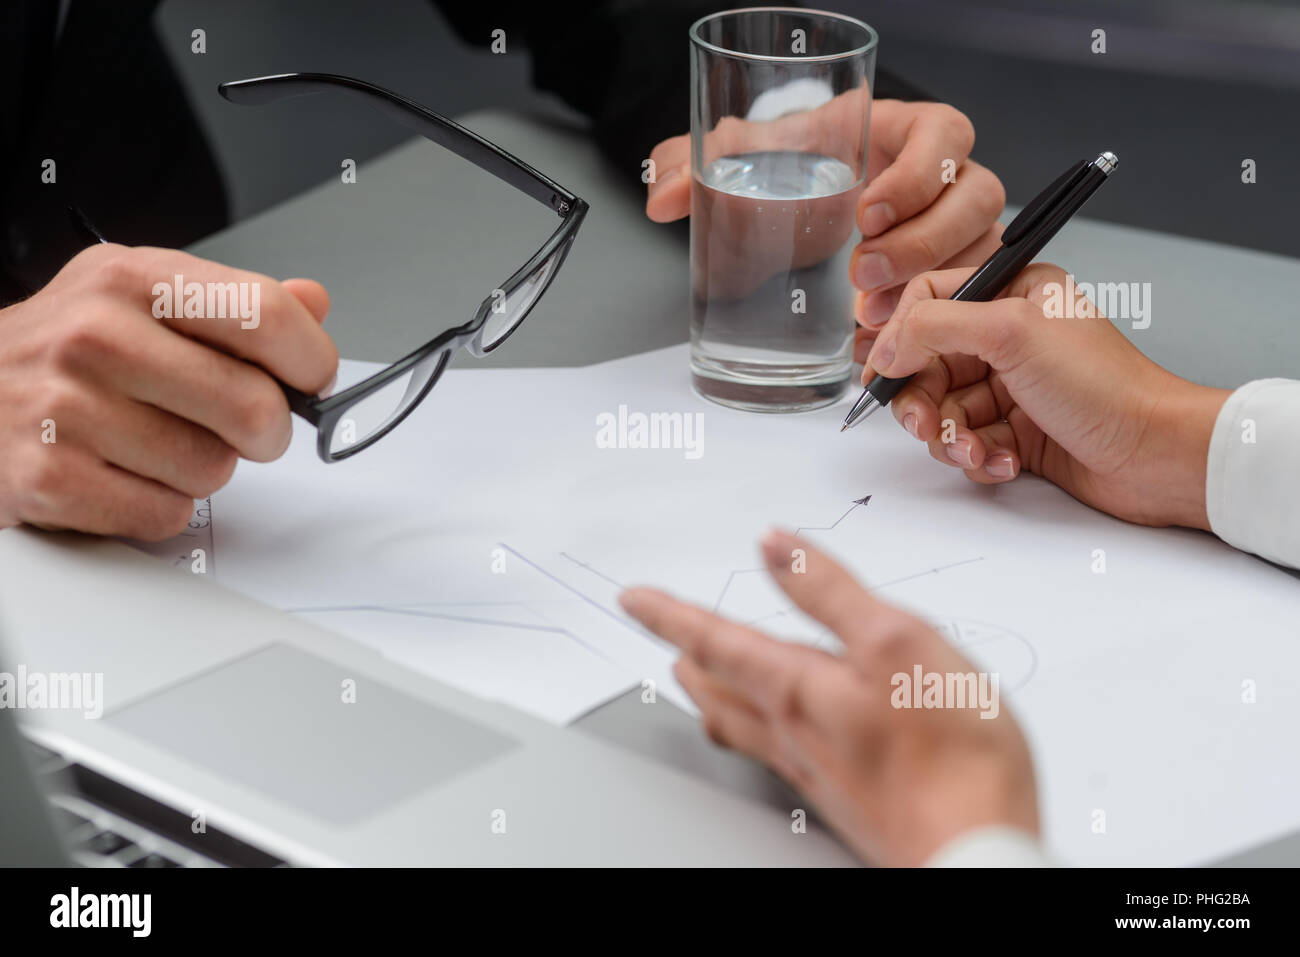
x=475 y=344
x=494 y=302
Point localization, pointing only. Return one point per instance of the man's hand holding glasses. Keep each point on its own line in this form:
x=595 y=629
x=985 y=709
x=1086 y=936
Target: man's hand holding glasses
x=126 y=404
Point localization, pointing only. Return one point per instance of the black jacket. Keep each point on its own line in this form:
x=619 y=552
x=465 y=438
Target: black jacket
x=98 y=94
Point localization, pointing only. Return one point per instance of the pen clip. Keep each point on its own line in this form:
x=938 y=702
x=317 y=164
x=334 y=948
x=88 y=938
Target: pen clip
x=1044 y=202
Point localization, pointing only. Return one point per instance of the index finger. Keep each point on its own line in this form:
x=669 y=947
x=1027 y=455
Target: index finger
x=669 y=196
x=824 y=590
x=1029 y=283
x=922 y=138
x=242 y=313
x=757 y=666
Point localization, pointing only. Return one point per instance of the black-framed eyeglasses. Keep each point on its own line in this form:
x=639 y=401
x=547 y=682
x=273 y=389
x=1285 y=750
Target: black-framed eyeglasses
x=362 y=414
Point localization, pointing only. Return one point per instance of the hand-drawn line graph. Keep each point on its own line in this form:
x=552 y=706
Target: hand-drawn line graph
x=594 y=571
x=587 y=566
x=583 y=596
x=865 y=500
x=737 y=572
x=992 y=646
x=425 y=610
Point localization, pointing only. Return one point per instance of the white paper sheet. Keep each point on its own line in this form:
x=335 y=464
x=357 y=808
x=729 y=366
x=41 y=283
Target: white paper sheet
x=506 y=653
x=1134 y=684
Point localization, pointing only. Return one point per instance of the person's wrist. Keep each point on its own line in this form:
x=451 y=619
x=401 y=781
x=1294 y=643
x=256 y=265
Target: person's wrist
x=1185 y=423
x=991 y=788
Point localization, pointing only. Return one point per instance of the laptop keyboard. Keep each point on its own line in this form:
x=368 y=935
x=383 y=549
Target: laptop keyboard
x=98 y=838
x=105 y=824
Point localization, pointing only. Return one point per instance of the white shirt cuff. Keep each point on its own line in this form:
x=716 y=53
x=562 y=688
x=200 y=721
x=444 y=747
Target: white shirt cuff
x=996 y=846
x=1252 y=479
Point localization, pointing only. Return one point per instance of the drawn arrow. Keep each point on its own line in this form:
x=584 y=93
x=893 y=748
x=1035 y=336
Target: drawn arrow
x=826 y=528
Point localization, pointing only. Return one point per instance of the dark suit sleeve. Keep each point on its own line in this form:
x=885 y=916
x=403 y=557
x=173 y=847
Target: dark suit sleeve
x=623 y=64
x=105 y=104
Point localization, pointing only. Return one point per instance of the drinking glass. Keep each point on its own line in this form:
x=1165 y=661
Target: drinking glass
x=780 y=104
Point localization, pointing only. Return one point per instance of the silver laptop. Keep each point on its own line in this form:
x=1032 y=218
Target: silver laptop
x=228 y=733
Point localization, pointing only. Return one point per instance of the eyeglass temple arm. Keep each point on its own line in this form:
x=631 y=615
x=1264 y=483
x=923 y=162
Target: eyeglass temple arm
x=433 y=126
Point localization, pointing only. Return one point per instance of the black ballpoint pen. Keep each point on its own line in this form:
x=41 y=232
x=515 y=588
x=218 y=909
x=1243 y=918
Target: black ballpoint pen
x=1022 y=240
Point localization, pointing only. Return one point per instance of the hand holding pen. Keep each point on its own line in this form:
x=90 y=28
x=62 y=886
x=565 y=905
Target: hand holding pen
x=999 y=387
x=1022 y=240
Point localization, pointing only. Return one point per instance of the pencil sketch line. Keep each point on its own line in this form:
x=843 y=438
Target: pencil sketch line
x=588 y=567
x=826 y=528
x=930 y=571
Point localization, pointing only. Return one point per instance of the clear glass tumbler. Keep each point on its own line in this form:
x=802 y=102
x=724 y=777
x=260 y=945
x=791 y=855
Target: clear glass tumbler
x=780 y=103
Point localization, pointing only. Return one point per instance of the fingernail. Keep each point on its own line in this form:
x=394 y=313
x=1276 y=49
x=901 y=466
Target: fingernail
x=909 y=423
x=778 y=546
x=878 y=310
x=632 y=600
x=959 y=452
x=872 y=271
x=882 y=354
x=1000 y=465
x=877 y=218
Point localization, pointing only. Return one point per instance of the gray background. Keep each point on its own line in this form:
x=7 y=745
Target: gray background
x=1186 y=90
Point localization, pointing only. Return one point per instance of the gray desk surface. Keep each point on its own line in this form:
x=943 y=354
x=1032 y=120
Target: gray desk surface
x=421 y=237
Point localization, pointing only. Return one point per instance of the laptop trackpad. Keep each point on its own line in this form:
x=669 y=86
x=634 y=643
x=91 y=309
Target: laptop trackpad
x=279 y=721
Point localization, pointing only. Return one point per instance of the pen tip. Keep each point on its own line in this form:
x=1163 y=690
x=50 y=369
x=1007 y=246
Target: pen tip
x=844 y=427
